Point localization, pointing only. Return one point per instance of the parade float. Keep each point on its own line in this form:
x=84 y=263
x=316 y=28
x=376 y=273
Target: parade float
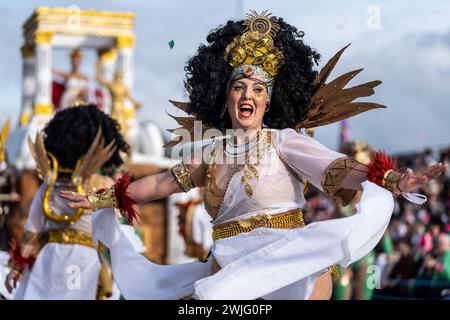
x=47 y=89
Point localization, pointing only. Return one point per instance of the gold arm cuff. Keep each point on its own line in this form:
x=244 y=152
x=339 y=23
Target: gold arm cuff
x=391 y=179
x=182 y=176
x=102 y=199
x=70 y=236
x=286 y=220
x=333 y=177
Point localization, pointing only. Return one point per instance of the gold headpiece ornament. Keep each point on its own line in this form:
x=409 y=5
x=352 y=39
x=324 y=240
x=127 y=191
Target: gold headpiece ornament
x=47 y=168
x=255 y=47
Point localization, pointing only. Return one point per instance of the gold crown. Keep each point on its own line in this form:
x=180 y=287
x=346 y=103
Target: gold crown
x=255 y=46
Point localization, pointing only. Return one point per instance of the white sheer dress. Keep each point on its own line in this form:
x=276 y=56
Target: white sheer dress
x=268 y=263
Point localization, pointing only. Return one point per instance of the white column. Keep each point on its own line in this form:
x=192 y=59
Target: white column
x=43 y=108
x=28 y=84
x=43 y=75
x=107 y=58
x=125 y=45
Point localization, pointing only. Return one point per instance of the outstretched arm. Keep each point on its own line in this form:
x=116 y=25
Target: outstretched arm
x=406 y=183
x=344 y=176
x=340 y=176
x=61 y=74
x=149 y=188
x=163 y=184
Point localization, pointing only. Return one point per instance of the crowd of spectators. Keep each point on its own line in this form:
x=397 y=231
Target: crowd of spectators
x=413 y=258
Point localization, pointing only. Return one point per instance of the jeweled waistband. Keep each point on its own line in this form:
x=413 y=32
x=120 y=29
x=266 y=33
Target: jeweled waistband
x=70 y=236
x=285 y=220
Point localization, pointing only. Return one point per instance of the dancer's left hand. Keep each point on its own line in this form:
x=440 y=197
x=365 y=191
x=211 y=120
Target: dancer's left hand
x=412 y=180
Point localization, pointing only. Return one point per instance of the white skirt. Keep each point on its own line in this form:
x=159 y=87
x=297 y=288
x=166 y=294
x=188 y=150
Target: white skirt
x=268 y=263
x=61 y=272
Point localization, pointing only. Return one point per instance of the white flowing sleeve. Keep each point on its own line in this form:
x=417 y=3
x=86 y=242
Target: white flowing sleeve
x=310 y=160
x=36 y=219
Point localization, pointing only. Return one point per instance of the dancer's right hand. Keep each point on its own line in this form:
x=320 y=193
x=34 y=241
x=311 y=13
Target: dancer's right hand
x=76 y=200
x=11 y=280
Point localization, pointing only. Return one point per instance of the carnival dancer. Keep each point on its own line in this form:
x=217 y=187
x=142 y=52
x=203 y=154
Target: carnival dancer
x=256 y=77
x=56 y=258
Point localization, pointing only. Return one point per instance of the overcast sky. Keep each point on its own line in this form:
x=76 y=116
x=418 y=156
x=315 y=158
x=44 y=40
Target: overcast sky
x=406 y=44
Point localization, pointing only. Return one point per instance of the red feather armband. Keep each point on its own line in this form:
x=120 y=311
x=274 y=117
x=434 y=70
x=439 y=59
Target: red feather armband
x=383 y=172
x=18 y=261
x=115 y=196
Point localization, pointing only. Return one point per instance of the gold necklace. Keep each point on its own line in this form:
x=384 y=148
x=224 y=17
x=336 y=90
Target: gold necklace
x=250 y=169
x=213 y=194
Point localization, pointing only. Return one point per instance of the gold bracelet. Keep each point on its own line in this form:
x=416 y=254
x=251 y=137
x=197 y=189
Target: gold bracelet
x=391 y=179
x=102 y=199
x=16 y=269
x=182 y=176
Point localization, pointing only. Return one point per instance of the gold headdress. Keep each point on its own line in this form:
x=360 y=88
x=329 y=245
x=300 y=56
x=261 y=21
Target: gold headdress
x=48 y=168
x=255 y=47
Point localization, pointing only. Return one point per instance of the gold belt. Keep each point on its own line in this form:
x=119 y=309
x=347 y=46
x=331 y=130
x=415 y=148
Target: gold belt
x=70 y=236
x=285 y=220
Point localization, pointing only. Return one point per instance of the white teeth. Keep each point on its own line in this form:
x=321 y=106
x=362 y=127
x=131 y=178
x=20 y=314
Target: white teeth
x=246 y=108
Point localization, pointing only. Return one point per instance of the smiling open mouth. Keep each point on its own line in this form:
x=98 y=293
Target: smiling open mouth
x=246 y=110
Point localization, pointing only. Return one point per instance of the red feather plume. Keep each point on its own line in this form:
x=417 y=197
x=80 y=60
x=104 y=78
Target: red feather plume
x=123 y=200
x=378 y=167
x=16 y=256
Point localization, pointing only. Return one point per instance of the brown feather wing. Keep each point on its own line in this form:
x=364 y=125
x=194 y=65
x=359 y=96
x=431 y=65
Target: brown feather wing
x=187 y=125
x=332 y=102
x=342 y=112
x=39 y=154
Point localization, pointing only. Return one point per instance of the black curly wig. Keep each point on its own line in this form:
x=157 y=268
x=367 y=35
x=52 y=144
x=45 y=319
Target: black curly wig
x=207 y=74
x=71 y=132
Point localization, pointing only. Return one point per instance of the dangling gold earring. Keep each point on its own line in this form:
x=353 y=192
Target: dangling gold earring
x=223 y=110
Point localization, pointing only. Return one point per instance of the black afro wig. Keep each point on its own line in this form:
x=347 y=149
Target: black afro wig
x=71 y=132
x=207 y=75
